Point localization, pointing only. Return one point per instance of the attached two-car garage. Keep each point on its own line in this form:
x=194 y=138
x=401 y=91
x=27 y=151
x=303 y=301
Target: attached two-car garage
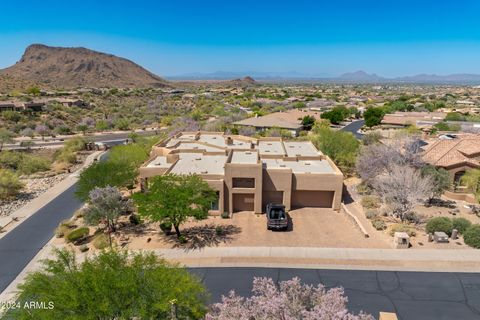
x=308 y=198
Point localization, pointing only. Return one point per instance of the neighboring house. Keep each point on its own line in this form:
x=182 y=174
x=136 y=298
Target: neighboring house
x=456 y=155
x=290 y=120
x=419 y=119
x=249 y=173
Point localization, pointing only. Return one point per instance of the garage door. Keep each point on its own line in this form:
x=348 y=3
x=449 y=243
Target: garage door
x=319 y=199
x=243 y=202
x=272 y=197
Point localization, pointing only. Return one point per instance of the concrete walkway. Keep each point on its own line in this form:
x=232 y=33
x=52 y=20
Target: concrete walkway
x=15 y=219
x=436 y=260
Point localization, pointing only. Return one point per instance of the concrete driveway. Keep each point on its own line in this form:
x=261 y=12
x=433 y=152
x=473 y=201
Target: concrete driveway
x=310 y=227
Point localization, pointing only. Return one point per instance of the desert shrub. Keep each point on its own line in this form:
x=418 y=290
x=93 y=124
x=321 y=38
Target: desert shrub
x=79 y=214
x=439 y=224
x=135 y=219
x=10 y=159
x=379 y=224
x=77 y=234
x=10 y=185
x=461 y=224
x=363 y=189
x=66 y=156
x=100 y=241
x=75 y=144
x=32 y=164
x=412 y=217
x=61 y=231
x=403 y=227
x=371 y=214
x=83 y=248
x=182 y=239
x=225 y=215
x=166 y=227
x=472 y=236
x=370 y=202
x=64 y=228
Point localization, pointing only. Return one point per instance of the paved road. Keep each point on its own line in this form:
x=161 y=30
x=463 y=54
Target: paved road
x=20 y=245
x=121 y=136
x=354 y=127
x=412 y=295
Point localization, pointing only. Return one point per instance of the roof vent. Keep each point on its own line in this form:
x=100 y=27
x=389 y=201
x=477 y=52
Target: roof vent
x=269 y=144
x=248 y=152
x=307 y=163
x=291 y=147
x=204 y=171
x=198 y=158
x=267 y=150
x=283 y=166
x=298 y=155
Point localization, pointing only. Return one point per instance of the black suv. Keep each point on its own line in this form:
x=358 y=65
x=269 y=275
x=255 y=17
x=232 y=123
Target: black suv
x=276 y=217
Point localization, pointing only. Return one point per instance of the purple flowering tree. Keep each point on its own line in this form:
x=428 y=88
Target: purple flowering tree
x=291 y=300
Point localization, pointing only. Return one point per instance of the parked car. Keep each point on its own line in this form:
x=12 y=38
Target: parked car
x=276 y=217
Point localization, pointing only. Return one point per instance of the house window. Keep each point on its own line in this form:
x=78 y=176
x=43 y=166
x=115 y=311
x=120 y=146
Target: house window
x=243 y=182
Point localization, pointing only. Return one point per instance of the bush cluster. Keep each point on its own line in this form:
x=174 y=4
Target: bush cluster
x=472 y=236
x=379 y=224
x=445 y=224
x=23 y=163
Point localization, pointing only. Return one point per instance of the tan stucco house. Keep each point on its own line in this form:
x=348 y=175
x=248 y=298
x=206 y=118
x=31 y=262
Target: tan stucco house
x=248 y=173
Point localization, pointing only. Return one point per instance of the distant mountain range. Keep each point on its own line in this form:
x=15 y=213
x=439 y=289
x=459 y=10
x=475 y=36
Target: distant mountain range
x=351 y=77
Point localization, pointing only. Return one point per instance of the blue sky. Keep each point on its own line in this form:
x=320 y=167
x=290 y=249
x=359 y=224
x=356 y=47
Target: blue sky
x=390 y=38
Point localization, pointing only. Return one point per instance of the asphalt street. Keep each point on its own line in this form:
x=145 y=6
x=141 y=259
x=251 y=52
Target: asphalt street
x=412 y=295
x=354 y=127
x=20 y=245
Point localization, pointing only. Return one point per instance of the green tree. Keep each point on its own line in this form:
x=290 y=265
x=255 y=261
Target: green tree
x=33 y=91
x=175 y=198
x=373 y=116
x=342 y=147
x=6 y=136
x=308 y=122
x=471 y=179
x=112 y=285
x=336 y=115
x=105 y=173
x=440 y=179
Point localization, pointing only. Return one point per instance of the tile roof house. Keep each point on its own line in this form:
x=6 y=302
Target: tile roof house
x=455 y=155
x=288 y=120
x=249 y=173
x=419 y=119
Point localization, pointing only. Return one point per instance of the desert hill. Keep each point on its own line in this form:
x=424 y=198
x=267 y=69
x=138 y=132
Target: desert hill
x=79 y=67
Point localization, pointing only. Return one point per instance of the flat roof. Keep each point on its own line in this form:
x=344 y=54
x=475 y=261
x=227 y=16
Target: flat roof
x=249 y=157
x=271 y=147
x=301 y=166
x=195 y=163
x=300 y=148
x=215 y=139
x=159 y=162
x=198 y=146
